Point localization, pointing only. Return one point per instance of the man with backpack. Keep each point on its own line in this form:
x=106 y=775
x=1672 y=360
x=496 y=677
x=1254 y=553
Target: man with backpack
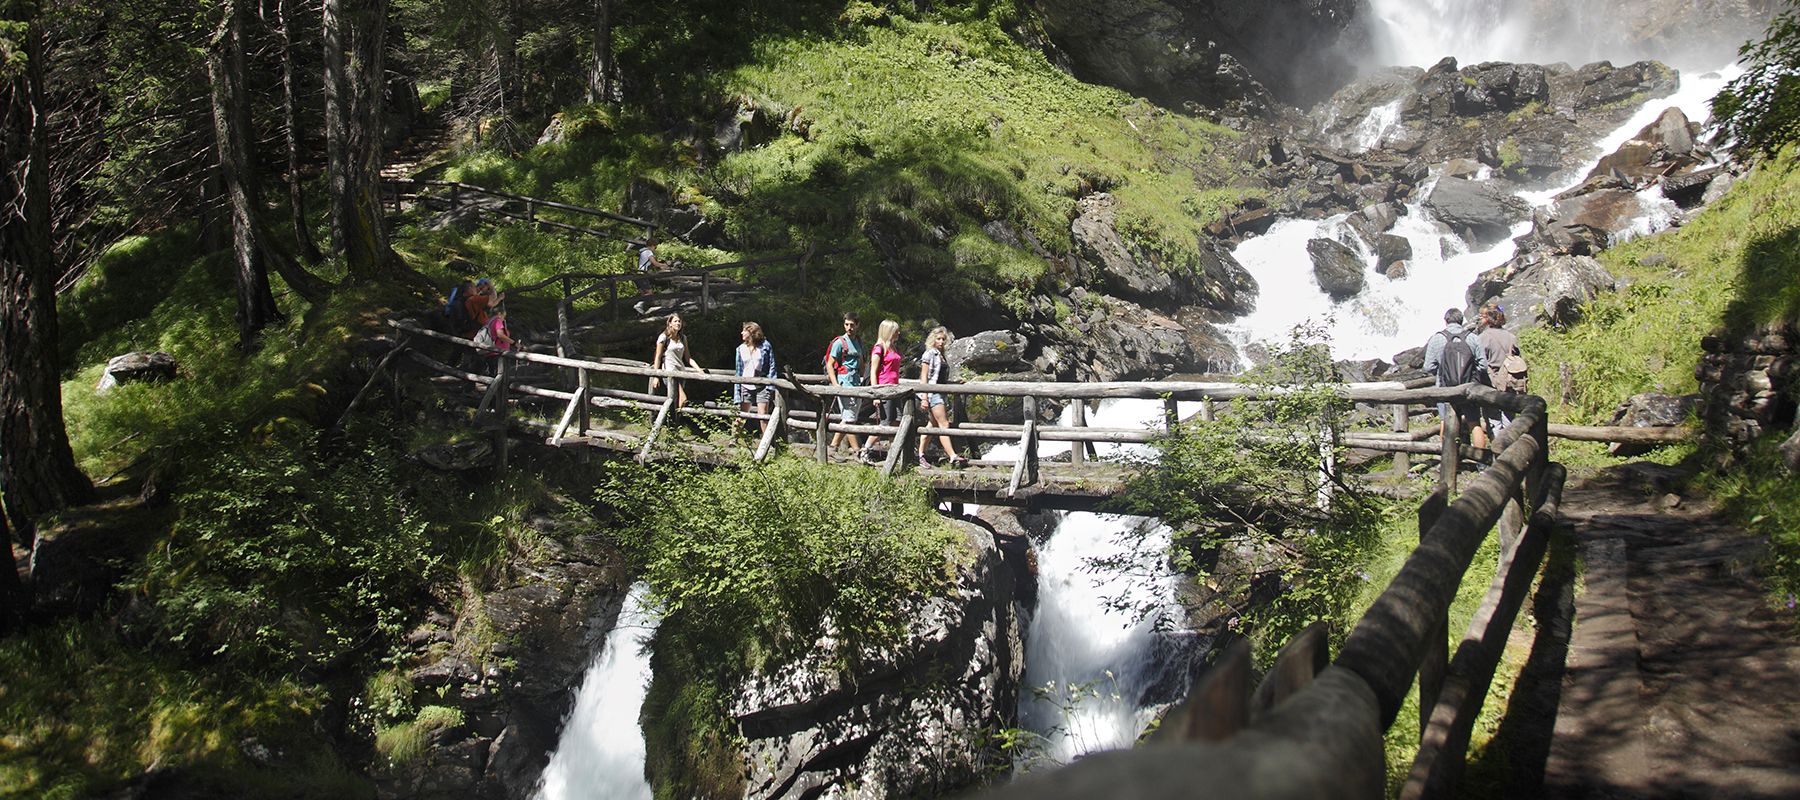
x=844 y=367
x=1456 y=357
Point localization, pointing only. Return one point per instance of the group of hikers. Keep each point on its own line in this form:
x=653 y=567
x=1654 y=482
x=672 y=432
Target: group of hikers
x=848 y=362
x=477 y=313
x=1485 y=353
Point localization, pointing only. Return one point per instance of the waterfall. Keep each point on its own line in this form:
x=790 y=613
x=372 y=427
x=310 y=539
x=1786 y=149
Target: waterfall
x=1390 y=315
x=1096 y=675
x=600 y=755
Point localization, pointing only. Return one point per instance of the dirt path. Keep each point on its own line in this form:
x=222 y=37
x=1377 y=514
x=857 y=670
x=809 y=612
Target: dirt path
x=1679 y=681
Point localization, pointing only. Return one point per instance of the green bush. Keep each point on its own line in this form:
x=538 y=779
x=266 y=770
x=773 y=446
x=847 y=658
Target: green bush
x=286 y=560
x=754 y=566
x=1250 y=482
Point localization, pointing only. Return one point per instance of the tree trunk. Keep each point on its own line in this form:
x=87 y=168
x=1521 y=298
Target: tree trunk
x=37 y=467
x=14 y=603
x=303 y=241
x=600 y=68
x=256 y=307
x=355 y=80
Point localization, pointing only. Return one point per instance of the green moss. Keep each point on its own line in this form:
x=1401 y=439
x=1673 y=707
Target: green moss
x=404 y=742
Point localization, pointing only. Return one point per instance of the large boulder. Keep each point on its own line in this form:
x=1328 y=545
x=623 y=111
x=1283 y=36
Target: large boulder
x=1537 y=288
x=1119 y=268
x=986 y=352
x=1093 y=337
x=914 y=720
x=137 y=367
x=1602 y=87
x=1482 y=213
x=1338 y=268
x=1651 y=410
x=1198 y=51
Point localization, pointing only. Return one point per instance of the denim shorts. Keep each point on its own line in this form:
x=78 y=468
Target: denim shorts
x=753 y=393
x=849 y=408
x=934 y=399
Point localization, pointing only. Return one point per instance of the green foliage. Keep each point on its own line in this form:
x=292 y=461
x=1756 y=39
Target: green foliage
x=81 y=710
x=753 y=567
x=1729 y=269
x=1760 y=109
x=1760 y=495
x=769 y=555
x=1250 y=481
x=281 y=559
x=404 y=742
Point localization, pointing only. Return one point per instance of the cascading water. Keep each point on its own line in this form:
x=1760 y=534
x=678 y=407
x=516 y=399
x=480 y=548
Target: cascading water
x=1390 y=315
x=600 y=755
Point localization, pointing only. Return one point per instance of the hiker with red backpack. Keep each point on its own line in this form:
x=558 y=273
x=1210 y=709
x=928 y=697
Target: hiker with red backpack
x=844 y=367
x=1457 y=357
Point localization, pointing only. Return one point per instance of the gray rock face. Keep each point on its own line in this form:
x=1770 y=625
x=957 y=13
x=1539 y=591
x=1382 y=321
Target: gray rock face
x=1215 y=279
x=986 y=352
x=1338 y=269
x=1480 y=212
x=1651 y=409
x=1206 y=51
x=508 y=663
x=137 y=367
x=1100 y=338
x=914 y=722
x=1536 y=288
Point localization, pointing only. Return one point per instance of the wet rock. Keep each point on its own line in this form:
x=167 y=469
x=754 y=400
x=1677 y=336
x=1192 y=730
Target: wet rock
x=1398 y=271
x=1600 y=85
x=1108 y=339
x=137 y=368
x=1121 y=269
x=1338 y=269
x=1605 y=212
x=1481 y=212
x=1391 y=250
x=915 y=719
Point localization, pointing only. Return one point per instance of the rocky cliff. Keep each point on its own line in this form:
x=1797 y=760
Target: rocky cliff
x=916 y=720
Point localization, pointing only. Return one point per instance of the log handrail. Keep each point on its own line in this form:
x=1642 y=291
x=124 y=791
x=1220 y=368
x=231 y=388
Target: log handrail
x=1321 y=738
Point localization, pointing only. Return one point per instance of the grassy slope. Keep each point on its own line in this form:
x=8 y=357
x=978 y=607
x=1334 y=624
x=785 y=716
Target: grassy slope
x=925 y=130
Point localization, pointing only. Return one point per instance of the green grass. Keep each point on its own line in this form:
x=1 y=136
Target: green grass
x=1730 y=269
x=81 y=710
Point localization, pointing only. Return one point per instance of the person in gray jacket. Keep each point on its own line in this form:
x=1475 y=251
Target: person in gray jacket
x=1437 y=364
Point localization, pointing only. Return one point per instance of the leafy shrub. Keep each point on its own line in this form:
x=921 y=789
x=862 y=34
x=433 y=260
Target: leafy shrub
x=753 y=565
x=1249 y=482
x=280 y=558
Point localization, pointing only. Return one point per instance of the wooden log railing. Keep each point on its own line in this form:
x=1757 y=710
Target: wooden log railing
x=455 y=191
x=1315 y=730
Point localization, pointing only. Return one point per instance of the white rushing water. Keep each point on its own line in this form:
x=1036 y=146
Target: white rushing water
x=1391 y=315
x=600 y=755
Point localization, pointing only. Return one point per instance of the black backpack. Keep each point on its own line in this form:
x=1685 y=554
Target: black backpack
x=1458 y=365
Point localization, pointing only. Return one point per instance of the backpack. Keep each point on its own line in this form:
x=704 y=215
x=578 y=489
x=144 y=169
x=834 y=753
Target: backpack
x=458 y=311
x=825 y=362
x=1514 y=373
x=1458 y=365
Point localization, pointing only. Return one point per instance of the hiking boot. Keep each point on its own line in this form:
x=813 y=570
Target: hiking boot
x=959 y=462
x=924 y=463
x=866 y=457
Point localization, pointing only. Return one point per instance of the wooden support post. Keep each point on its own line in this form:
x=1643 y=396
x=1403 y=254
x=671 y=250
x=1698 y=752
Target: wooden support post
x=1437 y=645
x=705 y=291
x=1171 y=414
x=898 y=449
x=778 y=417
x=531 y=212
x=1078 y=450
x=582 y=380
x=822 y=436
x=662 y=416
x=614 y=302
x=1402 y=461
x=1206 y=410
x=455 y=195
x=1451 y=458
x=500 y=404
x=1027 y=447
x=576 y=403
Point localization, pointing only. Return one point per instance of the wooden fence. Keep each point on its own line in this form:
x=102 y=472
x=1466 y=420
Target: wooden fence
x=514 y=206
x=1314 y=729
